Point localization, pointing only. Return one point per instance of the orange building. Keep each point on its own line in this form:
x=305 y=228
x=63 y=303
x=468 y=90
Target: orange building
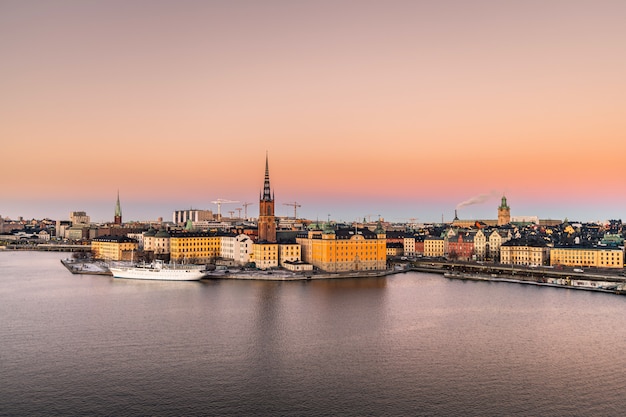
x=344 y=249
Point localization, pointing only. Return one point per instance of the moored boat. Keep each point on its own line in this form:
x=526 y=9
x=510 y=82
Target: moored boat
x=158 y=270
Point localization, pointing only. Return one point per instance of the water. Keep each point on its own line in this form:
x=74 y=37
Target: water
x=409 y=344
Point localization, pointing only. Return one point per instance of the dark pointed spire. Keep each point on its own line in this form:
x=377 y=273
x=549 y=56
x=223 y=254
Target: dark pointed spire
x=267 y=193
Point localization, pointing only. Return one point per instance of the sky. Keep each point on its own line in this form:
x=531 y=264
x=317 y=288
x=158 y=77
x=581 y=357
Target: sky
x=398 y=109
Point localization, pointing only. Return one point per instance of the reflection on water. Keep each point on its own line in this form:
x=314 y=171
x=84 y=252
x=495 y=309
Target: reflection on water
x=410 y=344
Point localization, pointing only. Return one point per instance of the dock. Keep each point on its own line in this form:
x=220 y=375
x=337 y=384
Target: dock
x=86 y=267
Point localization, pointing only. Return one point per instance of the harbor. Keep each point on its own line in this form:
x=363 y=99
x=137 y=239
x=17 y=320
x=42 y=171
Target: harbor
x=607 y=283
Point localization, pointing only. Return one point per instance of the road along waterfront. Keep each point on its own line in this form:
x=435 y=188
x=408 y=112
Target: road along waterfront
x=602 y=281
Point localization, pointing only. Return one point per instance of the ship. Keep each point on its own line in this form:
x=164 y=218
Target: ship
x=159 y=270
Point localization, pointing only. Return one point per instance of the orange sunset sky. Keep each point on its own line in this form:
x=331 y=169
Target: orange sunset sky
x=402 y=109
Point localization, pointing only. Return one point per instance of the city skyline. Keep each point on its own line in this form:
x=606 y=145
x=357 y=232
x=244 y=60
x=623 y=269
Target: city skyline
x=404 y=109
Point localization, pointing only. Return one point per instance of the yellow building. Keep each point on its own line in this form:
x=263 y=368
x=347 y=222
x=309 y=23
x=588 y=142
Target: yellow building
x=265 y=255
x=524 y=252
x=345 y=249
x=434 y=247
x=289 y=252
x=114 y=248
x=194 y=247
x=395 y=249
x=601 y=257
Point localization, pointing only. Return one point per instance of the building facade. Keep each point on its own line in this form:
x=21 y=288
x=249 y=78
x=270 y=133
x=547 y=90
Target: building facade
x=434 y=247
x=194 y=247
x=79 y=217
x=289 y=253
x=238 y=248
x=578 y=256
x=265 y=255
x=345 y=249
x=156 y=241
x=529 y=252
x=460 y=247
x=496 y=239
x=409 y=246
x=180 y=217
x=480 y=245
x=114 y=248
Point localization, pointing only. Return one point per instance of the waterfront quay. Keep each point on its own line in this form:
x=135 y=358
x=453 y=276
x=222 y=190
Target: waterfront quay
x=589 y=279
x=597 y=280
x=48 y=247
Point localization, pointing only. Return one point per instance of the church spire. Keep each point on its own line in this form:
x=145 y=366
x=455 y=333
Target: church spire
x=267 y=219
x=118 y=210
x=267 y=193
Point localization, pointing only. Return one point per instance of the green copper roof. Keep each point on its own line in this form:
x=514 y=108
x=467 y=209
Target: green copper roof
x=504 y=205
x=329 y=229
x=118 y=207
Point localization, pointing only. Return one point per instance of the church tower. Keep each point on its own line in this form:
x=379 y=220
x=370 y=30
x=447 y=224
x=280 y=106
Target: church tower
x=118 y=211
x=504 y=213
x=267 y=220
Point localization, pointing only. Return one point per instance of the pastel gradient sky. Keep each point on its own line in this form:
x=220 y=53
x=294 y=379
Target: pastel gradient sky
x=402 y=109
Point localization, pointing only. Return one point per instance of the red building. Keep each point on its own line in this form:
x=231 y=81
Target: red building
x=461 y=247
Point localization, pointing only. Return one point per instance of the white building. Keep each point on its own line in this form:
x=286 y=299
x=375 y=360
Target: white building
x=496 y=239
x=237 y=248
x=480 y=245
x=79 y=217
x=157 y=242
x=409 y=246
x=180 y=217
x=525 y=219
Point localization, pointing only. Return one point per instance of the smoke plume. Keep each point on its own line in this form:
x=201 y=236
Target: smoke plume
x=477 y=200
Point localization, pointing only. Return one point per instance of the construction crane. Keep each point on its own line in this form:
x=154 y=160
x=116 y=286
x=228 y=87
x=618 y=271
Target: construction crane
x=295 y=206
x=219 y=203
x=238 y=212
x=232 y=213
x=245 y=208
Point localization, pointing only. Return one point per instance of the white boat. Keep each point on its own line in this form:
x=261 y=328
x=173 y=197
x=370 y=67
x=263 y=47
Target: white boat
x=158 y=270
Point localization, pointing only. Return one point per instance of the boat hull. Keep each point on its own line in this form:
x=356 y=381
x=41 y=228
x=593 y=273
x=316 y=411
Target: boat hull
x=158 y=274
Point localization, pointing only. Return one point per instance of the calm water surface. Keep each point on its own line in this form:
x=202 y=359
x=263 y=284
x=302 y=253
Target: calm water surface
x=410 y=344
